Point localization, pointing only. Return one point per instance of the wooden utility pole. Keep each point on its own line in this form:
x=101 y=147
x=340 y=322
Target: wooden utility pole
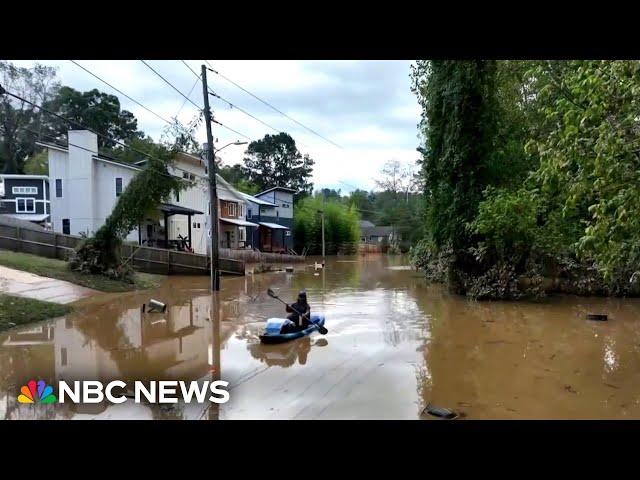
x=213 y=194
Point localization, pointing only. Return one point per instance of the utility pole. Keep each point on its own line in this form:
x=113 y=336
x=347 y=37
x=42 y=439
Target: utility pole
x=321 y=212
x=213 y=194
x=323 y=238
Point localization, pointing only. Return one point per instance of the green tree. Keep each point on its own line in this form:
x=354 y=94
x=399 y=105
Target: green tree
x=37 y=164
x=96 y=110
x=21 y=124
x=590 y=157
x=363 y=202
x=236 y=176
x=276 y=161
x=341 y=226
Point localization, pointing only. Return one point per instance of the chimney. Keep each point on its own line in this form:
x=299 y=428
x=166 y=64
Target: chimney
x=83 y=145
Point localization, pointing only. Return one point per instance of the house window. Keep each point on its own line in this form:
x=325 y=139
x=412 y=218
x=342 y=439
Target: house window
x=66 y=226
x=63 y=357
x=58 y=187
x=287 y=233
x=118 y=186
x=242 y=234
x=25 y=190
x=177 y=197
x=231 y=209
x=248 y=213
x=285 y=205
x=25 y=205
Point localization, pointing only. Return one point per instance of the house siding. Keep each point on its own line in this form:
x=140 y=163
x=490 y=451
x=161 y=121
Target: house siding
x=8 y=203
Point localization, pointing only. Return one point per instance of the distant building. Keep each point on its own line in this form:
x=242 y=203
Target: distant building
x=25 y=197
x=275 y=220
x=377 y=235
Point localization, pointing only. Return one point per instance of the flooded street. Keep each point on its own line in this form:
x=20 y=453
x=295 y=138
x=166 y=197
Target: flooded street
x=394 y=345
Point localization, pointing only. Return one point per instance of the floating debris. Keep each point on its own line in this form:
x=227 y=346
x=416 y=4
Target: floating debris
x=289 y=269
x=600 y=317
x=569 y=389
x=157 y=306
x=440 y=412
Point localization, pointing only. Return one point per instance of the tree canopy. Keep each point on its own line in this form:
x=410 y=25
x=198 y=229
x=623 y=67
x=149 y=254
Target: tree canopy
x=276 y=161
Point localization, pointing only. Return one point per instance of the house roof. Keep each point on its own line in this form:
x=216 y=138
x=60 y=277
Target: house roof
x=27 y=177
x=177 y=209
x=237 y=221
x=228 y=192
x=259 y=201
x=102 y=158
x=377 y=231
x=274 y=226
x=283 y=189
x=365 y=224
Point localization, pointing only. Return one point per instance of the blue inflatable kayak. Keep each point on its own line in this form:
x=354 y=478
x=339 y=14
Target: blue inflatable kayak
x=272 y=333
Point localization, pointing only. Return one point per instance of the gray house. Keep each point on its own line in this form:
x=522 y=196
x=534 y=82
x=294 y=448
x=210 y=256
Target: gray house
x=25 y=197
x=371 y=234
x=272 y=211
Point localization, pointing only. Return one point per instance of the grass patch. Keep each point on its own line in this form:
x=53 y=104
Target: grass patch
x=54 y=268
x=19 y=310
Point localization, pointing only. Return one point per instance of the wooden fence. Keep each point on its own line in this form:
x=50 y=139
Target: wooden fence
x=252 y=256
x=145 y=259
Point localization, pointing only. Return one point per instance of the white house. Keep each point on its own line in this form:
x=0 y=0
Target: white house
x=85 y=187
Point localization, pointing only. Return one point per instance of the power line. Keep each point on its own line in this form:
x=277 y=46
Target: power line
x=39 y=134
x=231 y=104
x=84 y=127
x=271 y=106
x=188 y=95
x=171 y=85
x=231 y=129
x=120 y=92
x=148 y=109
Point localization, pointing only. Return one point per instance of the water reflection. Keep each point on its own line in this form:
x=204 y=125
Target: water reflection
x=395 y=344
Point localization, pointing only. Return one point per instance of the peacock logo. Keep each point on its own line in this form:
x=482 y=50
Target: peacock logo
x=36 y=392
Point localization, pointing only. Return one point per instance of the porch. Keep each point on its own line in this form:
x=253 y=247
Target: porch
x=233 y=233
x=272 y=237
x=157 y=231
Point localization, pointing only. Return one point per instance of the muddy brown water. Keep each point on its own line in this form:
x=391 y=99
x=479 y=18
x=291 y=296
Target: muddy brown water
x=394 y=345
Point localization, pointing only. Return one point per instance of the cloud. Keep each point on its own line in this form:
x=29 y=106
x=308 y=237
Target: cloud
x=364 y=106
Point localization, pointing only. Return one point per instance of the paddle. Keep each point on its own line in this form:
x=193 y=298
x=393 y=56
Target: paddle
x=321 y=329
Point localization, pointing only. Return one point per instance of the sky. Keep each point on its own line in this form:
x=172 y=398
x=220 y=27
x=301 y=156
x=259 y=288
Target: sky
x=365 y=106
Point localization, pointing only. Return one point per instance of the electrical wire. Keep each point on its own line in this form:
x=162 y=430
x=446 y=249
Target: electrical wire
x=271 y=106
x=171 y=85
x=231 y=104
x=121 y=92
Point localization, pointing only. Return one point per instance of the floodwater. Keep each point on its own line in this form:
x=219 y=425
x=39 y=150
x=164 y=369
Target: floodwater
x=395 y=344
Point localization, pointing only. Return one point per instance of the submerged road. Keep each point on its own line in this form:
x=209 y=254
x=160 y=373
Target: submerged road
x=394 y=345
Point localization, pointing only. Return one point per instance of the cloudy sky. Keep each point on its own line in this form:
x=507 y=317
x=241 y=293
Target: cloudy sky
x=366 y=107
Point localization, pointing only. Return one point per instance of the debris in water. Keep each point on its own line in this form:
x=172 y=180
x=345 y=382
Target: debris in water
x=440 y=412
x=612 y=386
x=601 y=317
x=157 y=306
x=289 y=269
x=569 y=389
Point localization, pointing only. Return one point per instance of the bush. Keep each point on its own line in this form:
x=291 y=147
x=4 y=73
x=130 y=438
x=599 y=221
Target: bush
x=341 y=226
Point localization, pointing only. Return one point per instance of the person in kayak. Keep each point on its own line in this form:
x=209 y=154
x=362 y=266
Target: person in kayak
x=301 y=306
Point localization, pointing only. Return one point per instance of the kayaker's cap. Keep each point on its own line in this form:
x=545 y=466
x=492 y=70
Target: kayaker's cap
x=303 y=294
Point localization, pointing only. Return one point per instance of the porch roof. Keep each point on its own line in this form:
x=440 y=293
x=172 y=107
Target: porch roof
x=274 y=226
x=235 y=221
x=177 y=210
